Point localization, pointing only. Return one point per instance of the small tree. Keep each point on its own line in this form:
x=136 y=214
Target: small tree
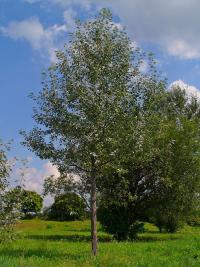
x=67 y=207
x=9 y=201
x=30 y=202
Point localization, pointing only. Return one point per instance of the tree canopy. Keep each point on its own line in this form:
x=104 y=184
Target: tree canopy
x=30 y=202
x=84 y=104
x=67 y=207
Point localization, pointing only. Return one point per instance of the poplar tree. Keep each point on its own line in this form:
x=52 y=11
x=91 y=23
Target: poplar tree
x=82 y=113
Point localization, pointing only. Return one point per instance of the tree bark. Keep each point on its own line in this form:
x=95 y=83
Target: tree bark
x=93 y=214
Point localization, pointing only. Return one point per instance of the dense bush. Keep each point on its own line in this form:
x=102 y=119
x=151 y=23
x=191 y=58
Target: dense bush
x=169 y=222
x=67 y=207
x=194 y=219
x=119 y=221
x=114 y=220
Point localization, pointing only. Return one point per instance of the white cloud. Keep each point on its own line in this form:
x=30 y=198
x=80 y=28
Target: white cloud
x=189 y=89
x=183 y=49
x=69 y=18
x=86 y=4
x=34 y=178
x=45 y=40
x=31 y=30
x=65 y=3
x=173 y=24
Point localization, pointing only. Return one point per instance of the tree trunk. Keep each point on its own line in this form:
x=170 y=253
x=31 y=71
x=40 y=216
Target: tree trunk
x=93 y=214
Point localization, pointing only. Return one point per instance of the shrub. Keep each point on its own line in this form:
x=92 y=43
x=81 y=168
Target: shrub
x=194 y=220
x=119 y=221
x=135 y=228
x=170 y=222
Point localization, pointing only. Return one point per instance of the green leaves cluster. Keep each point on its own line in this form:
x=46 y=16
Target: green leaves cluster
x=161 y=179
x=30 y=202
x=67 y=207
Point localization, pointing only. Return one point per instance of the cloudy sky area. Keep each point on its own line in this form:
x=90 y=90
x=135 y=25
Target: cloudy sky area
x=31 y=30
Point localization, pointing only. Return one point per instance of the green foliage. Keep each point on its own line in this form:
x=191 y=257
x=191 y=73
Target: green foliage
x=115 y=220
x=83 y=105
x=30 y=202
x=161 y=179
x=88 y=104
x=135 y=228
x=87 y=114
x=168 y=221
x=67 y=207
x=177 y=194
x=194 y=218
x=119 y=220
x=9 y=200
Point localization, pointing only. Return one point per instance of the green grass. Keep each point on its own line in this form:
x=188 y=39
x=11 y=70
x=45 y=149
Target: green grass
x=66 y=244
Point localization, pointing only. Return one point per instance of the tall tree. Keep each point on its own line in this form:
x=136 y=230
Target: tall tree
x=84 y=111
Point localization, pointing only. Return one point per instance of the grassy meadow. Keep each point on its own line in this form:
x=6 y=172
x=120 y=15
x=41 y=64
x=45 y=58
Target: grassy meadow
x=65 y=244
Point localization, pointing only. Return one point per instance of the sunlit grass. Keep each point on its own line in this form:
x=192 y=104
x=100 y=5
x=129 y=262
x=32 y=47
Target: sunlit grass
x=60 y=244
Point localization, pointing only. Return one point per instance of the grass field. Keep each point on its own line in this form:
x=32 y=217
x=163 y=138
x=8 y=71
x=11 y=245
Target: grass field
x=66 y=244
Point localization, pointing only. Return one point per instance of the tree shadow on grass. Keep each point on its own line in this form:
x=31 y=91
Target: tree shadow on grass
x=43 y=253
x=155 y=238
x=69 y=238
x=78 y=230
x=87 y=238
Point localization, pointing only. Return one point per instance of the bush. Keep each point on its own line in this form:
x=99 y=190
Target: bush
x=118 y=221
x=169 y=222
x=194 y=220
x=135 y=228
x=67 y=207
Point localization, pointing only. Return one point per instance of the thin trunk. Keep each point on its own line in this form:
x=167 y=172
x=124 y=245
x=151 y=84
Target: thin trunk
x=93 y=214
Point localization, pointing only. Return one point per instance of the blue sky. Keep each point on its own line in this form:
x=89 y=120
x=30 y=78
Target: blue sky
x=31 y=30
